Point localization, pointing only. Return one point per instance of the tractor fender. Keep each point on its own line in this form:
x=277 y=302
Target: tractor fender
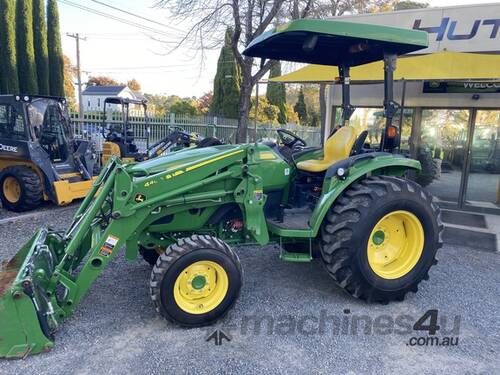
x=353 y=169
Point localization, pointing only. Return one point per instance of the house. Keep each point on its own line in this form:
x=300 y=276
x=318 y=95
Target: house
x=93 y=96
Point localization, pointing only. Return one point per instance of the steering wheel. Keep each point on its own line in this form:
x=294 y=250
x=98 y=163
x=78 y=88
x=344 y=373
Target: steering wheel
x=290 y=139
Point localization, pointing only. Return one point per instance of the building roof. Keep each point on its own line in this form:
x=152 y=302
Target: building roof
x=139 y=95
x=104 y=90
x=436 y=66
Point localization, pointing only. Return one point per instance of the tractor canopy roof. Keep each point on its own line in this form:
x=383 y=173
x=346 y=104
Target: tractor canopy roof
x=332 y=42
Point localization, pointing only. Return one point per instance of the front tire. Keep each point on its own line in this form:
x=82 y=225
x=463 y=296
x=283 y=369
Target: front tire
x=380 y=238
x=196 y=281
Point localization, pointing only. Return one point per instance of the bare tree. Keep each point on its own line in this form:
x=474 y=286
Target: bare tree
x=208 y=20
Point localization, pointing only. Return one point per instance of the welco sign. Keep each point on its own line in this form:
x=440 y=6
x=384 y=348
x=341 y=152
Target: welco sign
x=473 y=28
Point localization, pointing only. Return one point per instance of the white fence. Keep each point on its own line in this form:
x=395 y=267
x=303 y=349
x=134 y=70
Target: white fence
x=158 y=127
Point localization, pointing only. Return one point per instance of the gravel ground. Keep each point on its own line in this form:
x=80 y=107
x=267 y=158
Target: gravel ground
x=116 y=330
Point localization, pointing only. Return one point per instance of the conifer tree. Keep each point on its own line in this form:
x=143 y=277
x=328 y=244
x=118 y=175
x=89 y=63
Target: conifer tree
x=56 y=60
x=227 y=82
x=9 y=83
x=40 y=42
x=276 y=93
x=300 y=107
x=24 y=46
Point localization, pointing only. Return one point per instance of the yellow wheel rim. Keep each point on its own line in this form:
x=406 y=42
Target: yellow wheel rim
x=201 y=287
x=11 y=189
x=395 y=244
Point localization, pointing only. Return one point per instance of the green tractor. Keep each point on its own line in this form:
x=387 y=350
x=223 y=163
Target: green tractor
x=376 y=232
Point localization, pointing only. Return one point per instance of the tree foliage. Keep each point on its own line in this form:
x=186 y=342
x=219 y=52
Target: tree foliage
x=134 y=85
x=204 y=102
x=226 y=82
x=24 y=46
x=407 y=4
x=276 y=93
x=161 y=103
x=184 y=107
x=291 y=115
x=209 y=20
x=40 y=43
x=9 y=83
x=267 y=113
x=69 y=87
x=300 y=107
x=102 y=81
x=311 y=99
x=56 y=60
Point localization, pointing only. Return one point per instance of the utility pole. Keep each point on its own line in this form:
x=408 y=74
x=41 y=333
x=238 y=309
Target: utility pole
x=79 y=78
x=256 y=111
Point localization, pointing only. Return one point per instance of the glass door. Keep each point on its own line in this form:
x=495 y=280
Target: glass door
x=483 y=186
x=441 y=151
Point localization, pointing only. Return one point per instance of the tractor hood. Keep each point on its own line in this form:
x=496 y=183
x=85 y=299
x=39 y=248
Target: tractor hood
x=180 y=158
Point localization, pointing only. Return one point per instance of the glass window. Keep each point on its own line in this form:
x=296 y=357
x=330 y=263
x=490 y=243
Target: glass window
x=406 y=128
x=483 y=186
x=50 y=124
x=441 y=151
x=373 y=120
x=11 y=123
x=47 y=116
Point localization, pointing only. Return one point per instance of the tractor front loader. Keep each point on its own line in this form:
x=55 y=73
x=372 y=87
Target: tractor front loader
x=376 y=232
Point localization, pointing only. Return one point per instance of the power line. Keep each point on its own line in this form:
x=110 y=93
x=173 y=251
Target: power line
x=131 y=23
x=138 y=16
x=118 y=19
x=122 y=38
x=141 y=73
x=141 y=67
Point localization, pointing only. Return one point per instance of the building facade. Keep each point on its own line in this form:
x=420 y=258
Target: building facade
x=455 y=125
x=93 y=96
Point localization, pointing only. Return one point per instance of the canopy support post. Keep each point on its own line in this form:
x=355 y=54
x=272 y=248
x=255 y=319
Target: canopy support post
x=345 y=81
x=390 y=106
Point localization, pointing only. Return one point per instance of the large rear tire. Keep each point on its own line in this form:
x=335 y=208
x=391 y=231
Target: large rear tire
x=20 y=188
x=380 y=238
x=196 y=281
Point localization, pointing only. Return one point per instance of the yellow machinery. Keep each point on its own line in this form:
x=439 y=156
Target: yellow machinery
x=39 y=158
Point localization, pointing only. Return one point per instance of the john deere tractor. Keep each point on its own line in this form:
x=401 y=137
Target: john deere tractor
x=376 y=232
x=40 y=160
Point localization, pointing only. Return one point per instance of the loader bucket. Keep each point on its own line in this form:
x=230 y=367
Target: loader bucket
x=39 y=286
x=25 y=312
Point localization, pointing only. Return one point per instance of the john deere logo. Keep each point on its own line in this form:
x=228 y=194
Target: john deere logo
x=139 y=198
x=8 y=148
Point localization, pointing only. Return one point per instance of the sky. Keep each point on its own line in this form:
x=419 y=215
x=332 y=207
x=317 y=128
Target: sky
x=124 y=51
